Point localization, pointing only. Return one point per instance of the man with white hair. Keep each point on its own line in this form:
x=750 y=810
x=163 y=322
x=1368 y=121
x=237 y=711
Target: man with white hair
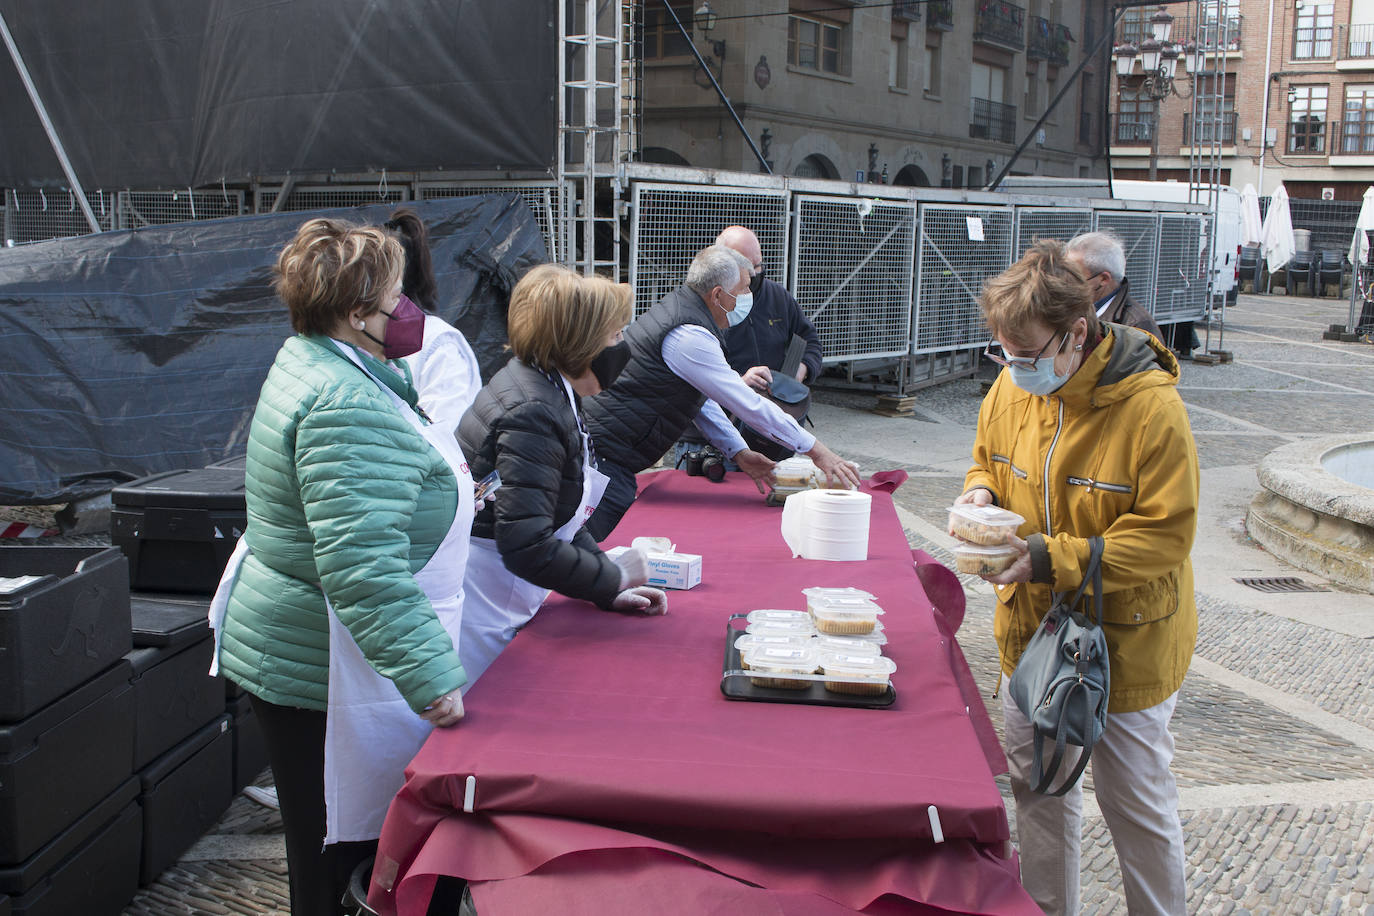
x=677 y=373
x=1100 y=260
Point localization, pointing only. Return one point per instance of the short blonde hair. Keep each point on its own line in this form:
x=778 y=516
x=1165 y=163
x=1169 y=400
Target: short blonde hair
x=559 y=320
x=331 y=268
x=1042 y=287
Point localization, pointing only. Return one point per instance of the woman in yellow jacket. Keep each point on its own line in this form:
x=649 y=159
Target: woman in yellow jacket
x=1084 y=435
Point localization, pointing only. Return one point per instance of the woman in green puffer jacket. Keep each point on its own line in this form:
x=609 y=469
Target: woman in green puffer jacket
x=348 y=582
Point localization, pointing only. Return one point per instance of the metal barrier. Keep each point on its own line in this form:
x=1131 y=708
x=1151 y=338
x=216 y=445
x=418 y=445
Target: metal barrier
x=1181 y=276
x=1060 y=223
x=1139 y=234
x=670 y=223
x=852 y=274
x=552 y=206
x=962 y=247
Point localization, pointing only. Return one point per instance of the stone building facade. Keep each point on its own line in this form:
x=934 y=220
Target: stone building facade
x=934 y=93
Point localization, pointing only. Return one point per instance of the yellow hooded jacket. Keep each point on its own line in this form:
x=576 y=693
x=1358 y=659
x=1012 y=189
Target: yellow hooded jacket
x=1111 y=454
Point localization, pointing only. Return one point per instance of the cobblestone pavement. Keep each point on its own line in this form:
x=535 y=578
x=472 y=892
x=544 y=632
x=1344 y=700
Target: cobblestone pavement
x=1275 y=722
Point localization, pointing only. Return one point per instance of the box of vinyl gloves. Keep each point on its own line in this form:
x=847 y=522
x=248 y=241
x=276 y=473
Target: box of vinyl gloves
x=667 y=568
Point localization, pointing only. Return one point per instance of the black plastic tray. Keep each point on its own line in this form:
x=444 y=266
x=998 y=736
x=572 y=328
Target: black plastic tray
x=736 y=687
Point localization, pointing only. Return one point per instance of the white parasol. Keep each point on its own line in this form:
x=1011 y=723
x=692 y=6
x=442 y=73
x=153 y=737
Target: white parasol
x=1359 y=245
x=1276 y=235
x=1250 y=225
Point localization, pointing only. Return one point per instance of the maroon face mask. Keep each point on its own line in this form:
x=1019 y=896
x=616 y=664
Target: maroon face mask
x=405 y=330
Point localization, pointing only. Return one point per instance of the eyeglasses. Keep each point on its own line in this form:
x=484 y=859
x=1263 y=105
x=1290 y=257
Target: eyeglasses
x=1020 y=362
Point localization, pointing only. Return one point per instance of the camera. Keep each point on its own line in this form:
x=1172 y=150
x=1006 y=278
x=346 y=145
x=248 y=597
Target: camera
x=705 y=461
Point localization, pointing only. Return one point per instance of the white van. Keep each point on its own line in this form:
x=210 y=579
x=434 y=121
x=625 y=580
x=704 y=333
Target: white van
x=1226 y=257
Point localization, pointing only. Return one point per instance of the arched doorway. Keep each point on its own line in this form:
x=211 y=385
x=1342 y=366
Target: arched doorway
x=661 y=155
x=912 y=177
x=816 y=166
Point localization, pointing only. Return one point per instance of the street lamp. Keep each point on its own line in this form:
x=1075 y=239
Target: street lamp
x=1158 y=58
x=705 y=20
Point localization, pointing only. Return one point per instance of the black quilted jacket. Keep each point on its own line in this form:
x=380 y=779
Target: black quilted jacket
x=522 y=425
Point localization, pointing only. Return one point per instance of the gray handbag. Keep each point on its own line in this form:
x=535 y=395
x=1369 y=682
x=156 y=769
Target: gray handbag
x=1062 y=680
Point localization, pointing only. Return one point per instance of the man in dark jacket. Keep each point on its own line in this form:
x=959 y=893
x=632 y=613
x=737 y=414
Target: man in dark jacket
x=677 y=373
x=1100 y=260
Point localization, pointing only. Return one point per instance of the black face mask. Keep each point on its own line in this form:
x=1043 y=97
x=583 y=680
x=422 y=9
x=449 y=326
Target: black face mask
x=756 y=283
x=609 y=362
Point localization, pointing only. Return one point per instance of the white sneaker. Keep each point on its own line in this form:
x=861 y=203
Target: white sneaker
x=265 y=797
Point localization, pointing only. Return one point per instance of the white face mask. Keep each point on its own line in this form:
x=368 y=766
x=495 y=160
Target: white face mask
x=1043 y=379
x=744 y=304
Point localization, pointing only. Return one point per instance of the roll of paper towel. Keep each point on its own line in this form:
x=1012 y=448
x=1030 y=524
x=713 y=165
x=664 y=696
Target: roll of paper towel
x=827 y=524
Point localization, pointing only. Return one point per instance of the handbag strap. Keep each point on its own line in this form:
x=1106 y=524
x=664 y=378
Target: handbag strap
x=1043 y=776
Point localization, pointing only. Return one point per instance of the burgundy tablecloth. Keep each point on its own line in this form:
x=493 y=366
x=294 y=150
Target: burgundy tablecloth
x=604 y=753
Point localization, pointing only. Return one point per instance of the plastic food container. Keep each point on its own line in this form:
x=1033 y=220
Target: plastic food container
x=796 y=473
x=751 y=641
x=983 y=561
x=770 y=666
x=817 y=592
x=983 y=524
x=848 y=645
x=768 y=615
x=845 y=616
x=801 y=627
x=865 y=675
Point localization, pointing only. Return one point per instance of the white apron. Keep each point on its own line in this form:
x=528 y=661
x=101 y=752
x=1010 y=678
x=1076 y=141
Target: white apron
x=497 y=603
x=371 y=733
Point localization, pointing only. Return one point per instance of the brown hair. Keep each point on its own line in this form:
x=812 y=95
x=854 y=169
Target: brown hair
x=331 y=268
x=1042 y=287
x=559 y=319
x=418 y=282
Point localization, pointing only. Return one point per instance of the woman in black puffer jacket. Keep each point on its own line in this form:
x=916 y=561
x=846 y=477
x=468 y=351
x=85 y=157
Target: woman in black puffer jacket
x=565 y=337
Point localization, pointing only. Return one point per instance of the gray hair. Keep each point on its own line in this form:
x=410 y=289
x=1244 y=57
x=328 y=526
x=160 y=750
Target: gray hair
x=716 y=266
x=1100 y=251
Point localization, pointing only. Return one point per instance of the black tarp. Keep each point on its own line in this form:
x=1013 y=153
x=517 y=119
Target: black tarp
x=129 y=353
x=182 y=93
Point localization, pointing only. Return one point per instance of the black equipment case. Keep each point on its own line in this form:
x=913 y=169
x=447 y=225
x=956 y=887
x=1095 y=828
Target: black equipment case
x=178 y=528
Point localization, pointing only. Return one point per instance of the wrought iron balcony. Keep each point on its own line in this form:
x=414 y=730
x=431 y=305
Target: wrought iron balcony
x=940 y=15
x=990 y=120
x=1133 y=129
x=906 y=10
x=1000 y=23
x=1352 y=138
x=1208 y=129
x=1357 y=41
x=1047 y=40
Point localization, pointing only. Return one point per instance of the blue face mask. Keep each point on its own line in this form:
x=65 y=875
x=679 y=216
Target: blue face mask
x=1041 y=380
x=744 y=304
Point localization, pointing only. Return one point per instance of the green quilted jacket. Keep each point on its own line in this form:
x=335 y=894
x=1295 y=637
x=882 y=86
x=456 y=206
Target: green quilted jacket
x=342 y=493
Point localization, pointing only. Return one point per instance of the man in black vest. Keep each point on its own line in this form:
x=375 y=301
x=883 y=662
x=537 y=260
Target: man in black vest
x=677 y=373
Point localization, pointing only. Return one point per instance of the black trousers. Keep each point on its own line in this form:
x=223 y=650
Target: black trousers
x=295 y=746
x=620 y=493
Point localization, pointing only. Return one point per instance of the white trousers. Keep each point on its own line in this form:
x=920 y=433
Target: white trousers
x=1138 y=799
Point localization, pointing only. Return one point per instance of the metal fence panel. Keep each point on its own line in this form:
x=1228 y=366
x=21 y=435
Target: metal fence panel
x=324 y=197
x=147 y=208
x=39 y=215
x=851 y=274
x=961 y=248
x=670 y=223
x=1059 y=223
x=1139 y=234
x=548 y=202
x=1181 y=278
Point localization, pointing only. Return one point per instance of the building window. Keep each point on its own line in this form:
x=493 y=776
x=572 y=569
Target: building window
x=1312 y=30
x=931 y=77
x=815 y=44
x=1030 y=104
x=1307 y=120
x=1135 y=27
x=897 y=64
x=1135 y=115
x=661 y=37
x=1215 y=103
x=1357 y=130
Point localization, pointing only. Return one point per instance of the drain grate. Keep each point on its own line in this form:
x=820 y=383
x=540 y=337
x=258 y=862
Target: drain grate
x=1281 y=584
